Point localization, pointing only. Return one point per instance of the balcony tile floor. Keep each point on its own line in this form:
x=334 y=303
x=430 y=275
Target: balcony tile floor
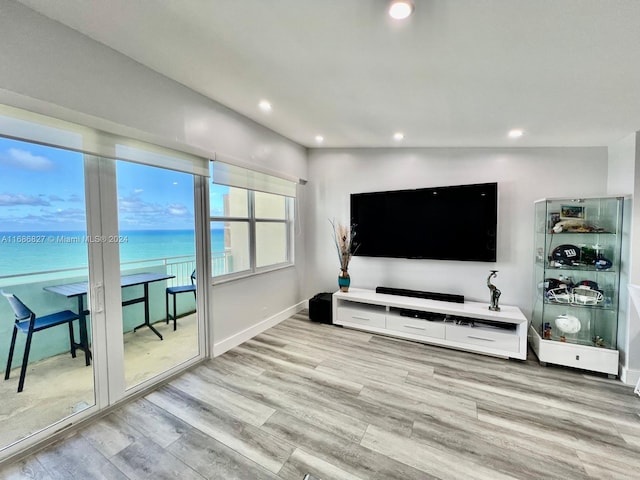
x=61 y=385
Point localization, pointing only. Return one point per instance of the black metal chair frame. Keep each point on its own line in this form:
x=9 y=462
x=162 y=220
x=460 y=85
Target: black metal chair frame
x=174 y=291
x=29 y=323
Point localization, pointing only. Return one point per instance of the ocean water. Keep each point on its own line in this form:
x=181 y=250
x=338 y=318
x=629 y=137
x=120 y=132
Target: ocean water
x=28 y=252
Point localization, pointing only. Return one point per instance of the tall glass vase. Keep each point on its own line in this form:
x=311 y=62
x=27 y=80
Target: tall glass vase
x=344 y=280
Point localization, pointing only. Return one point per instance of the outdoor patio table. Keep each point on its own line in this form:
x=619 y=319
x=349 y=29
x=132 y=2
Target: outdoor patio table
x=80 y=289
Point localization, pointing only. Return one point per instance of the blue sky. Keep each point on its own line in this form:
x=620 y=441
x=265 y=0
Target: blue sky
x=42 y=189
x=216 y=202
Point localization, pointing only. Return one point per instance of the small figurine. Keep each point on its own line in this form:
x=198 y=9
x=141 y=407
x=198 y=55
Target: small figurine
x=598 y=341
x=495 y=293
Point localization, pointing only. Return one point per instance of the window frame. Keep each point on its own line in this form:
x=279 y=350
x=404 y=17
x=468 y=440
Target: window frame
x=253 y=221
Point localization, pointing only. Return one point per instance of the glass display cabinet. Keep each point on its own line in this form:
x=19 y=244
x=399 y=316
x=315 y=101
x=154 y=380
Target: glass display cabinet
x=577 y=281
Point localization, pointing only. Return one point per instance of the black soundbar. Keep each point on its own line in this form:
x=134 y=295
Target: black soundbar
x=443 y=297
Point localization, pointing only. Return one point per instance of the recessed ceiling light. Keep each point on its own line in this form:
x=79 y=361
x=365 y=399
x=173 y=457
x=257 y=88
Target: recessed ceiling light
x=265 y=106
x=319 y=139
x=516 y=133
x=398 y=136
x=400 y=9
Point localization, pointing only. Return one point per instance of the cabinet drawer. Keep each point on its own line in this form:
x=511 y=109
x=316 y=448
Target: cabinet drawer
x=578 y=356
x=483 y=337
x=415 y=326
x=362 y=316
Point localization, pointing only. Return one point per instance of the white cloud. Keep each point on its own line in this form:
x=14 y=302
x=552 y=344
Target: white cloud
x=177 y=209
x=11 y=199
x=16 y=157
x=134 y=212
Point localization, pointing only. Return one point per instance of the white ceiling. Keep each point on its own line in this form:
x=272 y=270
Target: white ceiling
x=457 y=73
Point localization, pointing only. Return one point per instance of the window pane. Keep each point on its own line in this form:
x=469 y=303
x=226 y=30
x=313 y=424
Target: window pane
x=156 y=238
x=228 y=202
x=271 y=243
x=269 y=205
x=229 y=247
x=43 y=244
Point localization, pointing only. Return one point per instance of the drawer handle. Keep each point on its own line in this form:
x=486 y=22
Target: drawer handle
x=361 y=318
x=414 y=327
x=481 y=338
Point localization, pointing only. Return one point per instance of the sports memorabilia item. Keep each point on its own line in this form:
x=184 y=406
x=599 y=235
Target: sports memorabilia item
x=586 y=292
x=565 y=255
x=568 y=324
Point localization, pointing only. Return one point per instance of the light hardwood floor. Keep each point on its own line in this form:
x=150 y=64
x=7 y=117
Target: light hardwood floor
x=343 y=404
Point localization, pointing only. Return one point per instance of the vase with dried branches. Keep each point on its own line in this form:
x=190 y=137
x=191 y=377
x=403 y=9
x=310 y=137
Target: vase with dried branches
x=343 y=236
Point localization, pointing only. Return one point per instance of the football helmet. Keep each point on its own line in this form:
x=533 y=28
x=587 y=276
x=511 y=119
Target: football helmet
x=586 y=292
x=557 y=291
x=565 y=255
x=588 y=284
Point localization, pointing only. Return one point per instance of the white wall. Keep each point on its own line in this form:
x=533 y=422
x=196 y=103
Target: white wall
x=50 y=68
x=523 y=175
x=624 y=177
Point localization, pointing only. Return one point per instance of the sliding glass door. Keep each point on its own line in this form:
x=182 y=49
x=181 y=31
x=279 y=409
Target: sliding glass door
x=100 y=268
x=157 y=247
x=44 y=337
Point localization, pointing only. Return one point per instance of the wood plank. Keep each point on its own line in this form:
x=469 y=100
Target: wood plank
x=146 y=459
x=152 y=422
x=238 y=406
x=76 y=458
x=280 y=397
x=212 y=459
x=347 y=456
x=256 y=445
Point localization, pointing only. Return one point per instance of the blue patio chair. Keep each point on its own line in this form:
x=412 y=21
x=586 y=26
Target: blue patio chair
x=174 y=291
x=27 y=322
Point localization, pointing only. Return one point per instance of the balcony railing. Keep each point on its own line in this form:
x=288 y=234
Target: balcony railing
x=29 y=287
x=180 y=266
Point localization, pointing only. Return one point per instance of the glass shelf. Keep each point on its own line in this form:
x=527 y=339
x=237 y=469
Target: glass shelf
x=580 y=268
x=575 y=305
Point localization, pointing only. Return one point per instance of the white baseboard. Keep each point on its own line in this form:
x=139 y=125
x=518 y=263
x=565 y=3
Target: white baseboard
x=628 y=376
x=233 y=341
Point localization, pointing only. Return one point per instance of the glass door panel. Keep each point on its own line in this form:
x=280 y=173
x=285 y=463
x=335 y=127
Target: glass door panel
x=157 y=264
x=43 y=246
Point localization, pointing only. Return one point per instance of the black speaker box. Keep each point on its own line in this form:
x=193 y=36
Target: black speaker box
x=320 y=308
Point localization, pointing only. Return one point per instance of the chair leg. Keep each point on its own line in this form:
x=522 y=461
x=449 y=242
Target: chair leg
x=25 y=361
x=11 y=348
x=72 y=340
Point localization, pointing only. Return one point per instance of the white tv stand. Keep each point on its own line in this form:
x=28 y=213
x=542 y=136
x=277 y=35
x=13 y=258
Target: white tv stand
x=454 y=325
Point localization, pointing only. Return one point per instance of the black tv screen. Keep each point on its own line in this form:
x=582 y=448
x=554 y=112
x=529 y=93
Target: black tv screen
x=442 y=223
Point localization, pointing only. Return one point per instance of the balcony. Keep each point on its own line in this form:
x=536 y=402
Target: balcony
x=58 y=385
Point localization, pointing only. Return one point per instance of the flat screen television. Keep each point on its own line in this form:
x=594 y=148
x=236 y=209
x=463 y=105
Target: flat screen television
x=441 y=223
